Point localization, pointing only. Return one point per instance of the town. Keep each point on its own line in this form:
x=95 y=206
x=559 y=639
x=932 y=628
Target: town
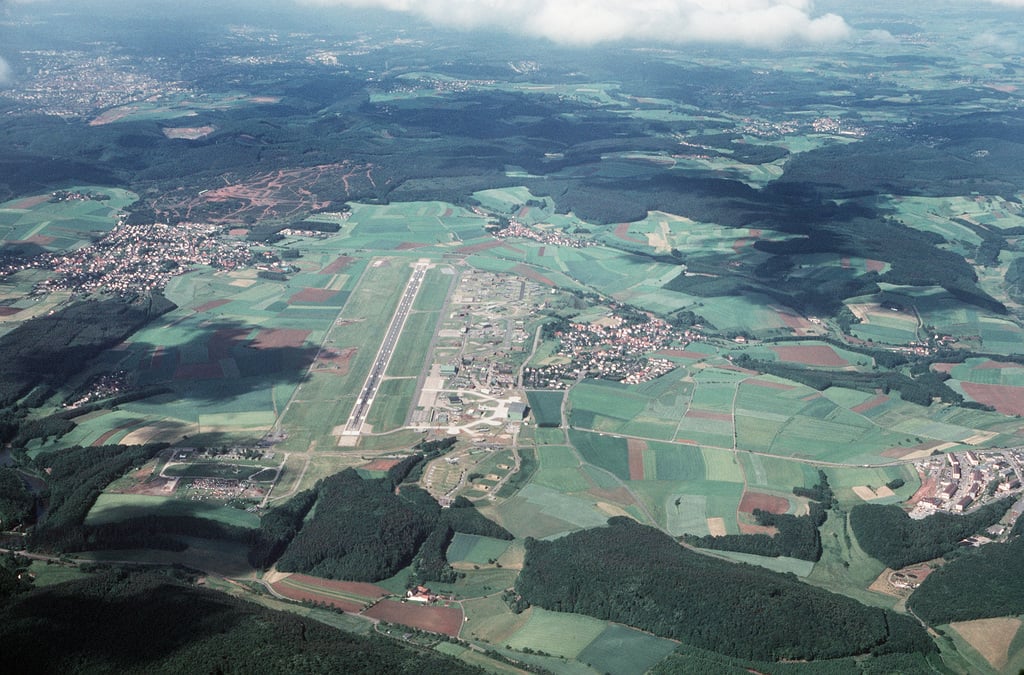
x=959 y=482
x=614 y=347
x=135 y=259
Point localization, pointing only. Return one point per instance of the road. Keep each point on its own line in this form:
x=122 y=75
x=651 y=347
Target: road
x=357 y=419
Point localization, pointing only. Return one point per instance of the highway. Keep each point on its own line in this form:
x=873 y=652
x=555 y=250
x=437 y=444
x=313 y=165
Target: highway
x=387 y=349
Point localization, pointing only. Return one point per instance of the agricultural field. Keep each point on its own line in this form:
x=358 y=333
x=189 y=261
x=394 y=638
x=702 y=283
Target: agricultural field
x=433 y=618
x=557 y=633
x=349 y=596
x=64 y=225
x=601 y=646
x=546 y=407
x=990 y=644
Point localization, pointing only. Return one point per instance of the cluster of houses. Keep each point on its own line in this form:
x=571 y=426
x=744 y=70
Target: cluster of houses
x=553 y=237
x=612 y=348
x=967 y=479
x=136 y=258
x=102 y=386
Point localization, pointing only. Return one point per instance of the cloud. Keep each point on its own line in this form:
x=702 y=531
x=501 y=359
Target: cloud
x=6 y=76
x=994 y=42
x=585 y=22
x=1008 y=3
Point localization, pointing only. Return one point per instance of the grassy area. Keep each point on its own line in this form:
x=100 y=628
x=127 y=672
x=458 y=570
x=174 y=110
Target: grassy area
x=607 y=452
x=801 y=568
x=478 y=583
x=546 y=407
x=625 y=651
x=475 y=549
x=557 y=633
x=490 y=620
x=392 y=404
x=844 y=567
x=48 y=574
x=112 y=508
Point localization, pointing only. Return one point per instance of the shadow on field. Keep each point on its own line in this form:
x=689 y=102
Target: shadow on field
x=226 y=360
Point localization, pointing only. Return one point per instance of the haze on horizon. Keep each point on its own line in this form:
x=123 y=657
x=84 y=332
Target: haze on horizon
x=573 y=23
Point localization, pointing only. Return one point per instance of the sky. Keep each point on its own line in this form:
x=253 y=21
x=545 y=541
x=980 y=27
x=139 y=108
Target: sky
x=583 y=23
x=586 y=22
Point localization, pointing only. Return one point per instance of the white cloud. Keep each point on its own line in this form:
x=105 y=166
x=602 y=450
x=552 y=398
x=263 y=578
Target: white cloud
x=995 y=42
x=6 y=76
x=1008 y=3
x=583 y=22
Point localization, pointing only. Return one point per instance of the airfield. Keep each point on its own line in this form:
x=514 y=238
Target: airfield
x=588 y=367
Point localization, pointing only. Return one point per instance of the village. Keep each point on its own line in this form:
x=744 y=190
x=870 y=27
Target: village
x=614 y=347
x=133 y=259
x=960 y=482
x=553 y=237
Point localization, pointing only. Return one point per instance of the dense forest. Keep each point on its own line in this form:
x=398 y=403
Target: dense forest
x=367 y=529
x=890 y=535
x=152 y=622
x=12 y=578
x=278 y=527
x=17 y=504
x=623 y=573
x=981 y=584
x=361 y=530
x=75 y=477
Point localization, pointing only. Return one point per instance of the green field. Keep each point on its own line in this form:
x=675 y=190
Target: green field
x=675 y=462
x=49 y=573
x=546 y=407
x=539 y=511
x=113 y=508
x=625 y=651
x=472 y=548
x=214 y=470
x=606 y=452
x=391 y=404
x=800 y=568
x=65 y=225
x=557 y=633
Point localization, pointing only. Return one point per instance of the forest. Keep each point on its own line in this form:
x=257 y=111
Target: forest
x=366 y=530
x=890 y=535
x=127 y=621
x=621 y=573
x=75 y=477
x=17 y=504
x=979 y=584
